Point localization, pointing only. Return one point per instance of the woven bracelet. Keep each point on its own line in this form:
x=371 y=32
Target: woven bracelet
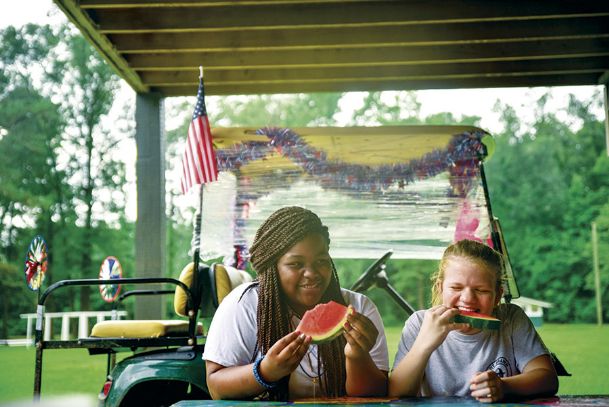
x=258 y=376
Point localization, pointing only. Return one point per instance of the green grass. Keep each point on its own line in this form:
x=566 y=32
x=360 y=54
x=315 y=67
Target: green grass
x=65 y=371
x=583 y=349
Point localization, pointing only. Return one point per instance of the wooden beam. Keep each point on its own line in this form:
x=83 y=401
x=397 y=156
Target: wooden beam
x=100 y=42
x=100 y=4
x=378 y=85
x=332 y=14
x=355 y=73
x=378 y=79
x=374 y=56
x=327 y=37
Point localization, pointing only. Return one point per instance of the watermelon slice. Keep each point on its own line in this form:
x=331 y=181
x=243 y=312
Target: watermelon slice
x=477 y=320
x=324 y=322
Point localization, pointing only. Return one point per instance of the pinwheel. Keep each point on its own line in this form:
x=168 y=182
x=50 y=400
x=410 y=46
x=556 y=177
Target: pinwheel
x=36 y=263
x=110 y=269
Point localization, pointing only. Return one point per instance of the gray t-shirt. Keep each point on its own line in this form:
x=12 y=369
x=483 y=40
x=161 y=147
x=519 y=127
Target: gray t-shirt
x=452 y=365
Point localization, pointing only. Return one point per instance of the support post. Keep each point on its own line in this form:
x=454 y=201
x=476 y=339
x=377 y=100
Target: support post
x=150 y=225
x=597 y=277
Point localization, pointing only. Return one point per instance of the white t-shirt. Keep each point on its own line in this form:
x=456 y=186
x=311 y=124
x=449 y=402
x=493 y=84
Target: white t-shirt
x=451 y=366
x=231 y=339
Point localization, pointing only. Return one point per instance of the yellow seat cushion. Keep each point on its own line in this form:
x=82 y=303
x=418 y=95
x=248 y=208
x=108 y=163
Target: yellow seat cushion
x=180 y=299
x=142 y=329
x=227 y=278
x=224 y=278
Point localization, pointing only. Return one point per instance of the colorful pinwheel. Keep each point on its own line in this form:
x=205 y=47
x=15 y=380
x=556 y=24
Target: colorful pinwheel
x=110 y=269
x=36 y=263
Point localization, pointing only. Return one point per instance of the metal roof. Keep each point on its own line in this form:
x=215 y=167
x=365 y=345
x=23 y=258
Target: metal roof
x=293 y=46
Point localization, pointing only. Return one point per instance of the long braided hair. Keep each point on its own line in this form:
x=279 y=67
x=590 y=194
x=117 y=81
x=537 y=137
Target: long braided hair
x=282 y=230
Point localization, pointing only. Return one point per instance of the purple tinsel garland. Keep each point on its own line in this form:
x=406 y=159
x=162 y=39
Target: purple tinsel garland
x=461 y=158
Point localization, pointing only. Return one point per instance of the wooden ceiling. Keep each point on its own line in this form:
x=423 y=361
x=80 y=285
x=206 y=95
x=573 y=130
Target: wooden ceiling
x=293 y=46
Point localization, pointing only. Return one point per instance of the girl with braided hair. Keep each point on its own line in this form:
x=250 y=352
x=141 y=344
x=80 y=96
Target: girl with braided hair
x=252 y=348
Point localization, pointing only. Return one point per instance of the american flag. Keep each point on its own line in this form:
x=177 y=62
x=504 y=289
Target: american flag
x=199 y=160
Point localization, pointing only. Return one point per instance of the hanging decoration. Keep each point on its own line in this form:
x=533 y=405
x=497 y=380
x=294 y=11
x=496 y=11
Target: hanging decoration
x=36 y=261
x=460 y=158
x=110 y=270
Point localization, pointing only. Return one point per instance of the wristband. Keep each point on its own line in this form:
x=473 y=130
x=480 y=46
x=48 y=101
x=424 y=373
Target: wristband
x=258 y=376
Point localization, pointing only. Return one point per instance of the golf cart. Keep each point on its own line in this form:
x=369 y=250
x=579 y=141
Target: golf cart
x=405 y=192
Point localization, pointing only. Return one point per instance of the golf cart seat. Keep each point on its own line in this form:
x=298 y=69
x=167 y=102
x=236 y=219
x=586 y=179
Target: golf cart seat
x=212 y=288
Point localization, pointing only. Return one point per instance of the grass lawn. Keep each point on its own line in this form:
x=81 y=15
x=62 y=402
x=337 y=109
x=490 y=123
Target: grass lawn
x=583 y=349
x=65 y=371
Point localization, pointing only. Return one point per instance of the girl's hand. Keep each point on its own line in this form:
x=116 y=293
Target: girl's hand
x=360 y=334
x=486 y=387
x=284 y=356
x=437 y=323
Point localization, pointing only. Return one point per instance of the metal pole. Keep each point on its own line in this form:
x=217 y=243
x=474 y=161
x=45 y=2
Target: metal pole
x=192 y=313
x=597 y=277
x=606 y=109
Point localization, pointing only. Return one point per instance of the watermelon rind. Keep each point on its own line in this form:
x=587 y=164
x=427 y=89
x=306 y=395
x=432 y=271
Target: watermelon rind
x=330 y=334
x=479 y=322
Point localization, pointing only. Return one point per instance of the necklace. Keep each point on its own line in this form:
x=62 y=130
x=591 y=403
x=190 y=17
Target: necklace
x=313 y=375
x=315 y=378
x=312 y=354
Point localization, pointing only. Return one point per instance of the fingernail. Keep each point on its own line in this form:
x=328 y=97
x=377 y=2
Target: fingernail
x=302 y=336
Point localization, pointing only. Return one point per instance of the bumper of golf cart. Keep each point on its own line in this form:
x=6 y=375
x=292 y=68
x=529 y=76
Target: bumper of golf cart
x=160 y=377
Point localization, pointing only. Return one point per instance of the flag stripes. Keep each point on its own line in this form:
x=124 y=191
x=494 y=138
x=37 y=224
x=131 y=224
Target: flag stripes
x=199 y=160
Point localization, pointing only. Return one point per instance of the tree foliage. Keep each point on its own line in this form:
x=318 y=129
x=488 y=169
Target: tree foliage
x=547 y=188
x=60 y=172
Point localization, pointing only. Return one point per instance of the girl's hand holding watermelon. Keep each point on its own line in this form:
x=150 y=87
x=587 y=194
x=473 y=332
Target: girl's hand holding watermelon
x=361 y=335
x=284 y=356
x=437 y=323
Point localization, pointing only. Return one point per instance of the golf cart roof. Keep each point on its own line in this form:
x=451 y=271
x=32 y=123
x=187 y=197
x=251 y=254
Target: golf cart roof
x=412 y=189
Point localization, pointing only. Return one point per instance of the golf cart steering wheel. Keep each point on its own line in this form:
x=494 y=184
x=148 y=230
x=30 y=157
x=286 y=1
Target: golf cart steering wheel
x=368 y=278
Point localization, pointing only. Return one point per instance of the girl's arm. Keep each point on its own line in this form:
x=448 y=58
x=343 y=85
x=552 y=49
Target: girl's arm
x=235 y=382
x=364 y=378
x=538 y=378
x=239 y=382
x=406 y=378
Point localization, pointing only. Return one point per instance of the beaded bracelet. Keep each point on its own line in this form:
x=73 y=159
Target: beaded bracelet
x=258 y=376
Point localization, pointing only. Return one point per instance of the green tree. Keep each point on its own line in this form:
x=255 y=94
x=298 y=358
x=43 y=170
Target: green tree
x=60 y=171
x=400 y=108
x=317 y=109
x=89 y=85
x=546 y=191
